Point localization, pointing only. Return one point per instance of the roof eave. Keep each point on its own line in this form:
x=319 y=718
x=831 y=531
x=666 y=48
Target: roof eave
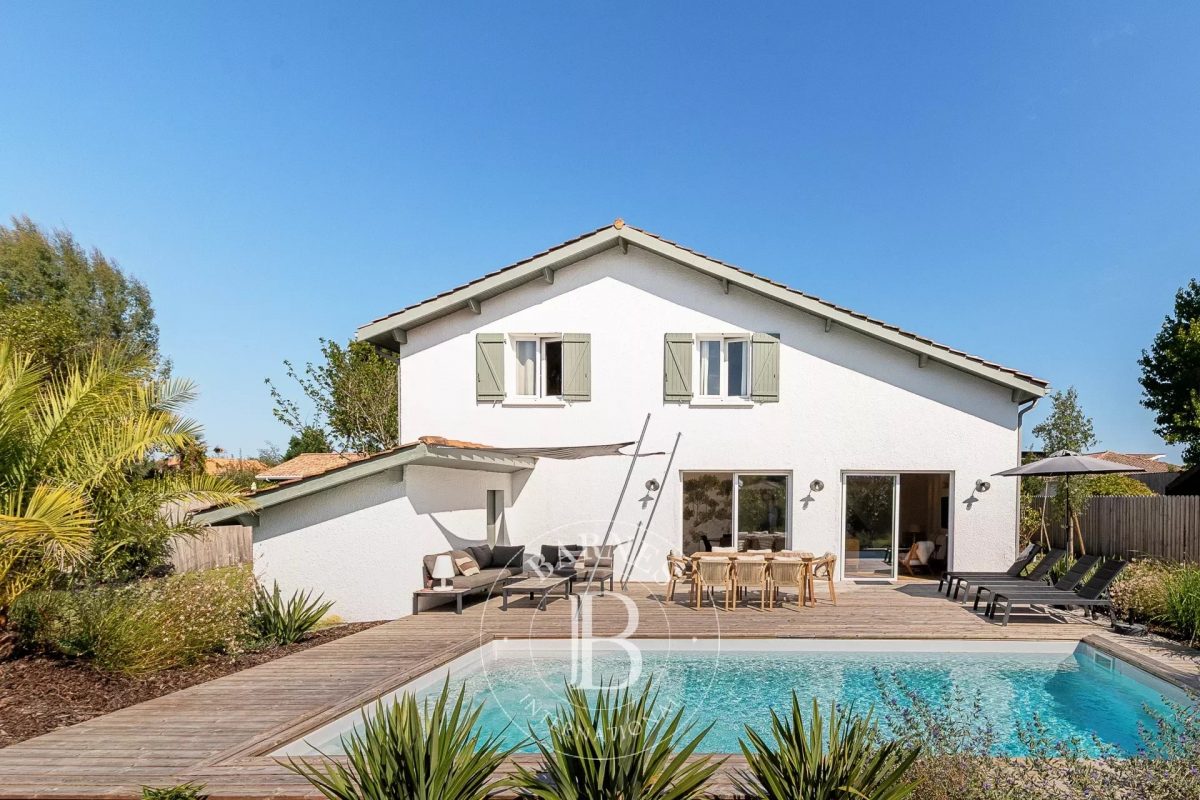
x=412 y=455
x=389 y=331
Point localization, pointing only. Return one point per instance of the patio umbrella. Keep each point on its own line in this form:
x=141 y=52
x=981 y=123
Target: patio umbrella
x=1064 y=464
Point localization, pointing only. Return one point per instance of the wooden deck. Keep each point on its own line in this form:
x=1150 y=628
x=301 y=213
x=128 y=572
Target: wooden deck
x=216 y=733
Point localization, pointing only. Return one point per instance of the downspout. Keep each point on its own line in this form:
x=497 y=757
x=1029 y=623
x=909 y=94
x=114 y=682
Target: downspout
x=1021 y=412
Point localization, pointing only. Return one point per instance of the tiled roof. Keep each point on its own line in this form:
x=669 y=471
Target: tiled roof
x=306 y=465
x=1147 y=461
x=220 y=466
x=832 y=306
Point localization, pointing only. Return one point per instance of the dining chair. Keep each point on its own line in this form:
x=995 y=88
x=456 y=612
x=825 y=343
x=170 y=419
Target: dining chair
x=714 y=573
x=751 y=573
x=822 y=569
x=787 y=573
x=679 y=570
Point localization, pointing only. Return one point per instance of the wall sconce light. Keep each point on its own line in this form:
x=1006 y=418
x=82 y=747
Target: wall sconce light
x=982 y=486
x=652 y=485
x=816 y=485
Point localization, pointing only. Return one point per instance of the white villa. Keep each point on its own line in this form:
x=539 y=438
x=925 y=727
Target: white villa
x=776 y=420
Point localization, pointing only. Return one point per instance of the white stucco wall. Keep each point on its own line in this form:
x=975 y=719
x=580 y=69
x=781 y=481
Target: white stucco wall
x=848 y=403
x=361 y=543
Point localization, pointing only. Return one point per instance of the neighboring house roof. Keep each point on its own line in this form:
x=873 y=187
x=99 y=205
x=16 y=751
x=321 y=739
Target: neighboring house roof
x=435 y=452
x=389 y=331
x=1150 y=462
x=306 y=465
x=220 y=466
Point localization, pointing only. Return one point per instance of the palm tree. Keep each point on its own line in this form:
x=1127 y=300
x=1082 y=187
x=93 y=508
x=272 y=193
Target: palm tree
x=73 y=499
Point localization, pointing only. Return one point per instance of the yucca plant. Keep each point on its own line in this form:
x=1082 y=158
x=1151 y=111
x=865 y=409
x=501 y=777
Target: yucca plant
x=617 y=749
x=279 y=621
x=184 y=791
x=409 y=751
x=838 y=759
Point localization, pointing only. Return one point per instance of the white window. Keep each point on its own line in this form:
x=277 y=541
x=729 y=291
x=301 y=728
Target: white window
x=724 y=366
x=538 y=373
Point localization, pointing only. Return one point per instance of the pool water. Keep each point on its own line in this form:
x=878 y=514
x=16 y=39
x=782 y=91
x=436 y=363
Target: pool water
x=1075 y=691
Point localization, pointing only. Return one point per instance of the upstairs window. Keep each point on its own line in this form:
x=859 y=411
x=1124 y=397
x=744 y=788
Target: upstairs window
x=724 y=366
x=539 y=367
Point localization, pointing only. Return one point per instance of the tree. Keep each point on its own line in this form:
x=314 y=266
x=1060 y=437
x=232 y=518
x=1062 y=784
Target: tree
x=309 y=440
x=270 y=455
x=1115 y=485
x=1065 y=428
x=353 y=393
x=62 y=302
x=1171 y=374
x=74 y=499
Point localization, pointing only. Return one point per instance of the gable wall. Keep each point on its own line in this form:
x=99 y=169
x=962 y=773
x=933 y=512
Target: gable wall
x=848 y=402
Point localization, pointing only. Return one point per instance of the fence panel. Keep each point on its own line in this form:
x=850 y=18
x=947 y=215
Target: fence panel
x=1163 y=527
x=219 y=546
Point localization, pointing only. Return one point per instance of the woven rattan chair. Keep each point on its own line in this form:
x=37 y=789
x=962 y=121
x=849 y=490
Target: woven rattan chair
x=751 y=574
x=787 y=573
x=714 y=573
x=679 y=570
x=822 y=569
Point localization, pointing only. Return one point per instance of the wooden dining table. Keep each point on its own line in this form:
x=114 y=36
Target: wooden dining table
x=807 y=589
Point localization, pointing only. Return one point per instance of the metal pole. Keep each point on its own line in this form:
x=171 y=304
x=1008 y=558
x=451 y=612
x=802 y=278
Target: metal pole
x=662 y=487
x=616 y=509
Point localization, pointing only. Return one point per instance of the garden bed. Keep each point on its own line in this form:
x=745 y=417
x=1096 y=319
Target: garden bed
x=40 y=694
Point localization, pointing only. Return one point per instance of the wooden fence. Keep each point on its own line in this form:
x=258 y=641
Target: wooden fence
x=1163 y=527
x=220 y=546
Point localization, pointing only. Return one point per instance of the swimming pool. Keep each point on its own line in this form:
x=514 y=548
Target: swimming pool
x=1074 y=689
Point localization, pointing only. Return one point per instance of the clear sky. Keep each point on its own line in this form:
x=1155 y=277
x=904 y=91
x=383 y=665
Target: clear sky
x=1018 y=180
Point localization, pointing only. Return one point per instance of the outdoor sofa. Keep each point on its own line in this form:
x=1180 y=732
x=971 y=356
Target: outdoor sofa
x=478 y=568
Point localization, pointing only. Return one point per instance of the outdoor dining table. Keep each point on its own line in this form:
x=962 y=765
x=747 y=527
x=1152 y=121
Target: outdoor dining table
x=806 y=588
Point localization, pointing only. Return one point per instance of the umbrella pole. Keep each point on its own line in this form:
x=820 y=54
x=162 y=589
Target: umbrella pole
x=1070 y=520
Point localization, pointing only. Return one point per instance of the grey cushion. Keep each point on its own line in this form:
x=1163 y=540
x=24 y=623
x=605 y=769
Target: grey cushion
x=506 y=556
x=482 y=555
x=481 y=580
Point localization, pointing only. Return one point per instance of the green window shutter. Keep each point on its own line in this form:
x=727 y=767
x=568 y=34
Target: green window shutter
x=677 y=368
x=764 y=363
x=489 y=367
x=577 y=367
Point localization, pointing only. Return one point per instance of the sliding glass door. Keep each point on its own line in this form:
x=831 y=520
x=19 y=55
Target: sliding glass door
x=746 y=510
x=871 y=522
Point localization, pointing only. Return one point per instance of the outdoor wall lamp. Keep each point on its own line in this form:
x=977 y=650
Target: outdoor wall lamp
x=982 y=486
x=816 y=485
x=652 y=485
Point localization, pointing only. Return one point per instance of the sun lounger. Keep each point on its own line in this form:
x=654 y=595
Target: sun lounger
x=950 y=578
x=1067 y=583
x=1036 y=575
x=1092 y=595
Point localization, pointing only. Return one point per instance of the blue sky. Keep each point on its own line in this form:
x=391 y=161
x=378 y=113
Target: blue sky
x=993 y=176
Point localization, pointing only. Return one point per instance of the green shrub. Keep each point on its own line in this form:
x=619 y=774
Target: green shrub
x=279 y=622
x=140 y=627
x=618 y=749
x=406 y=751
x=1181 y=608
x=1139 y=594
x=184 y=791
x=824 y=760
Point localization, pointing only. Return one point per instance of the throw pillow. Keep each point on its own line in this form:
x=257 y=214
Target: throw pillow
x=466 y=565
x=509 y=556
x=482 y=555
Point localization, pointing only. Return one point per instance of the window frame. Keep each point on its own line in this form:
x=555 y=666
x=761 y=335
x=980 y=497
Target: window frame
x=539 y=367
x=723 y=373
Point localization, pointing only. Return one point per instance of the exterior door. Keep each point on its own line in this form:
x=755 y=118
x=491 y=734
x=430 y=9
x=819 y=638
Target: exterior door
x=871 y=521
